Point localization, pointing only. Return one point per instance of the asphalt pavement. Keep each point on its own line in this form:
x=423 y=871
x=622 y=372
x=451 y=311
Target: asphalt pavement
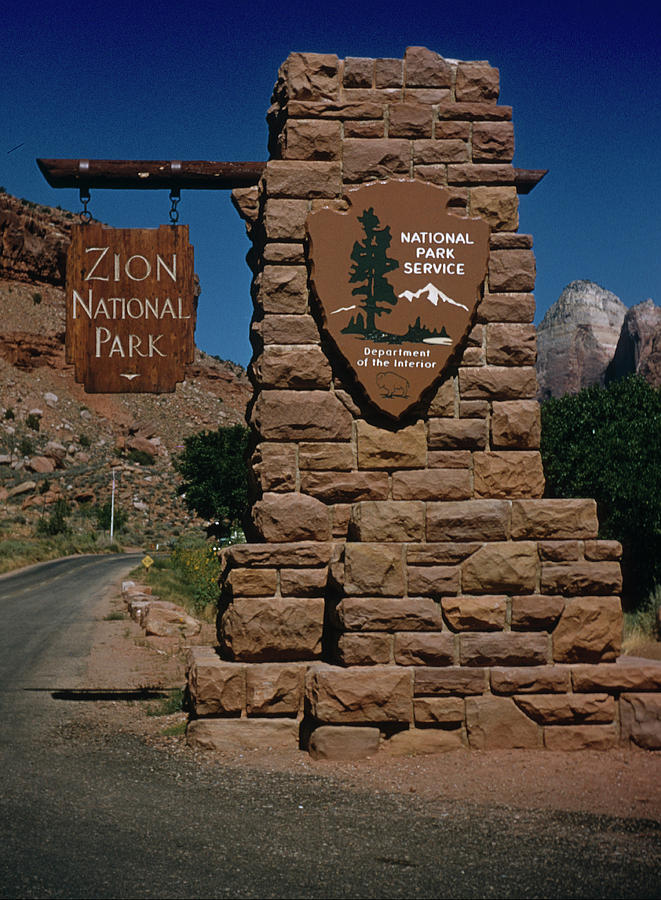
x=97 y=815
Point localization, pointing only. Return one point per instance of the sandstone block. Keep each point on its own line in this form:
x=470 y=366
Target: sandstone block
x=274 y=466
x=474 y=112
x=285 y=219
x=292 y=367
x=531 y=680
x=504 y=648
x=516 y=424
x=303 y=582
x=168 y=620
x=498 y=205
x=373 y=569
x=365 y=159
x=357 y=694
x=327 y=456
x=582 y=578
x=432 y=554
x=283 y=289
x=441 y=682
x=424 y=68
x=388 y=73
x=640 y=717
x=457 y=434
x=511 y=344
x=432 y=484
x=410 y=120
x=432 y=581
x=444 y=402
x=252 y=582
x=511 y=270
x=501 y=567
x=508 y=473
x=388 y=520
x=468 y=520
x=216 y=687
x=296 y=178
x=493 y=141
x=389 y=614
x=497 y=382
x=580 y=737
x=502 y=240
x=272 y=628
x=603 y=550
x=364 y=649
x=589 y=630
x=379 y=448
x=300 y=553
x=344 y=742
x=246 y=203
x=419 y=648
x=341 y=516
x=282 y=254
x=345 y=487
x=308 y=416
x=370 y=129
x=496 y=723
x=568 y=709
x=439 y=710
x=554 y=519
x=449 y=459
x=559 y=551
x=232 y=735
x=428 y=152
x=358 y=71
x=473 y=409
x=506 y=308
x=536 y=611
x=485 y=613
x=291 y=517
x=311 y=75
x=415 y=741
x=476 y=82
x=274 y=689
x=625 y=676
x=312 y=139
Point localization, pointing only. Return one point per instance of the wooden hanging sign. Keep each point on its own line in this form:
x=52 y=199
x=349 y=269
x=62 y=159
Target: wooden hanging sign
x=397 y=279
x=130 y=305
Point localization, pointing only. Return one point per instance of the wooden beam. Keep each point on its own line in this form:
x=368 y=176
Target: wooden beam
x=152 y=174
x=149 y=174
x=526 y=179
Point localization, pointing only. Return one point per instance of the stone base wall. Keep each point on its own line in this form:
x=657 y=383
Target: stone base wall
x=407 y=584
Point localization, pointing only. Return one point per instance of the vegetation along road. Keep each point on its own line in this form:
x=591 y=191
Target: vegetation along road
x=87 y=814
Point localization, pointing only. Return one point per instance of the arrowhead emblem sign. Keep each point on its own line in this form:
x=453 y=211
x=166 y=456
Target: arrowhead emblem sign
x=397 y=278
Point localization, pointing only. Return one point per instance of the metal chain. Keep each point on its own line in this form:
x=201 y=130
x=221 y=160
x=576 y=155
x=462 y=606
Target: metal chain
x=175 y=198
x=86 y=215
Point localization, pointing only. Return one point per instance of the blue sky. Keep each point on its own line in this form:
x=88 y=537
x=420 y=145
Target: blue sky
x=132 y=80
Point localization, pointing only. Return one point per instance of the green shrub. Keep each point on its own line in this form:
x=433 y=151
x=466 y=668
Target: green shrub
x=56 y=522
x=25 y=446
x=197 y=564
x=9 y=413
x=604 y=443
x=84 y=441
x=37 y=298
x=32 y=421
x=141 y=457
x=104 y=514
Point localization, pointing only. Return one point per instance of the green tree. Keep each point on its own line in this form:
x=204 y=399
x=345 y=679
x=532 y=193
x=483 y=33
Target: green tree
x=214 y=469
x=370 y=265
x=56 y=522
x=104 y=513
x=605 y=443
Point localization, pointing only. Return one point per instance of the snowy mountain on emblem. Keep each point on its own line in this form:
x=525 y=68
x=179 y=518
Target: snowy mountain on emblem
x=433 y=294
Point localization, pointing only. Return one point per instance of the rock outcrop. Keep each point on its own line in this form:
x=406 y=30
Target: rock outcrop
x=577 y=338
x=638 y=350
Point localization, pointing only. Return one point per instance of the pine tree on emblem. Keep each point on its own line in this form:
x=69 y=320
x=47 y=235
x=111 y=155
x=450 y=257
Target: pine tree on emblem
x=370 y=265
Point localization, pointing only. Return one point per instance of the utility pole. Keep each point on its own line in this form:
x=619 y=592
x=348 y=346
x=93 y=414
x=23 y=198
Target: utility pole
x=112 y=507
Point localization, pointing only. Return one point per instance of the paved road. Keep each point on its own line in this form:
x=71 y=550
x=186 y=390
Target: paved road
x=91 y=816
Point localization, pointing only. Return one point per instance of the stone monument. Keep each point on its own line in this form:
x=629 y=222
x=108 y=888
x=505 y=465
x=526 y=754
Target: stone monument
x=405 y=585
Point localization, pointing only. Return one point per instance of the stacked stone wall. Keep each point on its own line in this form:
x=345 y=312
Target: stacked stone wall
x=408 y=577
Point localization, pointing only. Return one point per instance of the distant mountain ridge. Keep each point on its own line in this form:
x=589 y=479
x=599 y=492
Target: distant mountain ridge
x=589 y=337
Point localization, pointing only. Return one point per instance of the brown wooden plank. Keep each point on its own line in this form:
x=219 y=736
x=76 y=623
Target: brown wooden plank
x=527 y=179
x=130 y=305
